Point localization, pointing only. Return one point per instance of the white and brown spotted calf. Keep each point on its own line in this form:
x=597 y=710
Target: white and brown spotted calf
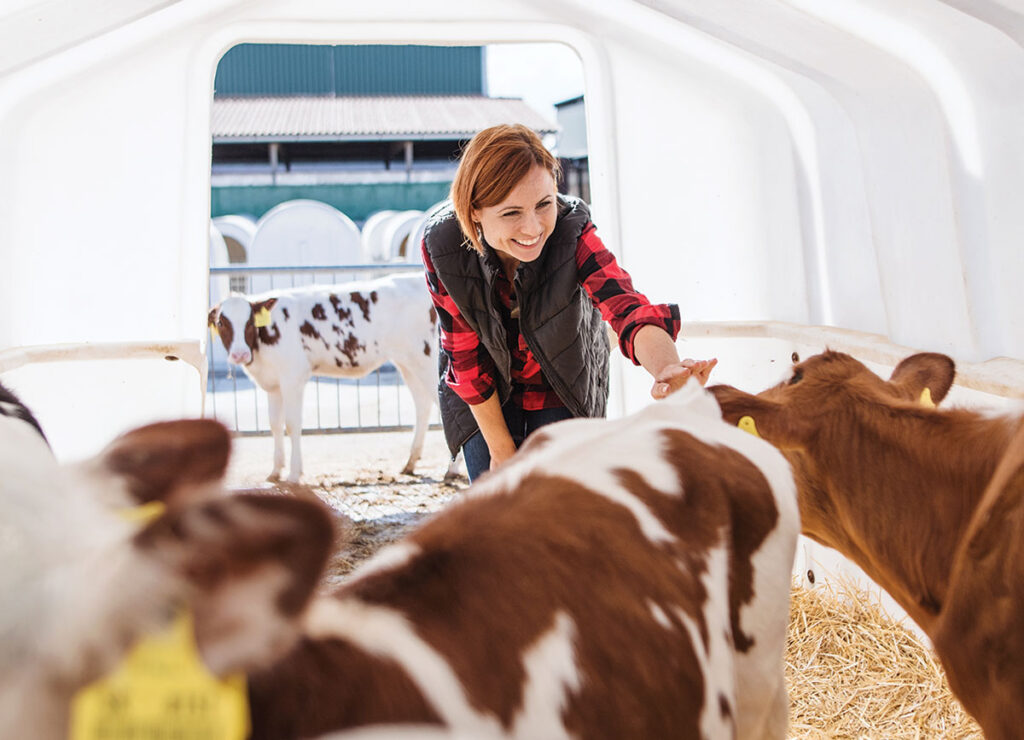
x=79 y=584
x=929 y=502
x=283 y=338
x=615 y=579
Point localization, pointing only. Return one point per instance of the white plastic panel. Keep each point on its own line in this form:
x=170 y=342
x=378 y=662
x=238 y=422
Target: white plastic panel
x=856 y=163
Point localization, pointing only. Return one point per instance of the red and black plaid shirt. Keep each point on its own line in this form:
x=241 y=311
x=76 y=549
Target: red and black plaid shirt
x=471 y=373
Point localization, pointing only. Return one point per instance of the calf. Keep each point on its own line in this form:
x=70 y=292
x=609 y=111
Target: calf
x=615 y=579
x=928 y=502
x=79 y=585
x=12 y=407
x=283 y=338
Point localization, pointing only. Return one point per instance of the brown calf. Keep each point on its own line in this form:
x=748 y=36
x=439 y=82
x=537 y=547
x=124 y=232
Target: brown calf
x=927 y=502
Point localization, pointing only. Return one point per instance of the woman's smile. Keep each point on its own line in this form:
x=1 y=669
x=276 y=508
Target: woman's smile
x=519 y=226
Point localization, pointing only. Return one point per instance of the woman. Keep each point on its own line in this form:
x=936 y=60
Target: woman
x=521 y=283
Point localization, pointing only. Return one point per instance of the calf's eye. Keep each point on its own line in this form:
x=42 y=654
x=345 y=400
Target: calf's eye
x=798 y=375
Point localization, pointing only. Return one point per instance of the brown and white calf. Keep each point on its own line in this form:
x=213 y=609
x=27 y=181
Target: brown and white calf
x=615 y=579
x=79 y=585
x=283 y=338
x=928 y=502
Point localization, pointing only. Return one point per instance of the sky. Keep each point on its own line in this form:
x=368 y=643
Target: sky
x=541 y=74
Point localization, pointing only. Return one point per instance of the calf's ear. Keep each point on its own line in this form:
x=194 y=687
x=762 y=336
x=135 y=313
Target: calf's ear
x=927 y=375
x=170 y=461
x=250 y=564
x=767 y=419
x=211 y=318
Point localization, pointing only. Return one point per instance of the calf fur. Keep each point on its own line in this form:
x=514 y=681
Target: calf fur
x=928 y=502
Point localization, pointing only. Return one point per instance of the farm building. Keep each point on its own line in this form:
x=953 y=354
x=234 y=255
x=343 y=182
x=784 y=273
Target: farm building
x=794 y=175
x=362 y=128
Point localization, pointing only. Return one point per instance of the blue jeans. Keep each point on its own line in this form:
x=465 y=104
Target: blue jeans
x=520 y=424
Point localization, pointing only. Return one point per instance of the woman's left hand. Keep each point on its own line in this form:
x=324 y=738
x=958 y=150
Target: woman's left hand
x=673 y=377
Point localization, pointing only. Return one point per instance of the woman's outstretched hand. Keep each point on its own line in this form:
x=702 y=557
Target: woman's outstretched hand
x=674 y=376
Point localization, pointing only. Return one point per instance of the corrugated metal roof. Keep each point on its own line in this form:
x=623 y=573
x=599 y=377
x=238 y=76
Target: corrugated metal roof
x=412 y=117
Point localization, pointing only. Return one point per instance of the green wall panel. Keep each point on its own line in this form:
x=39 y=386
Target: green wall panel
x=297 y=69
x=357 y=202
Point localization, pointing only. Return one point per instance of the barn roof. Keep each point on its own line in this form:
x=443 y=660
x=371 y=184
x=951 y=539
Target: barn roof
x=409 y=117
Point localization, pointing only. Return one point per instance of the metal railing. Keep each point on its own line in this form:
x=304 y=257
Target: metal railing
x=378 y=402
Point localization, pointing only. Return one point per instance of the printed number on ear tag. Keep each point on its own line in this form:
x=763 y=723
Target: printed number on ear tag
x=162 y=690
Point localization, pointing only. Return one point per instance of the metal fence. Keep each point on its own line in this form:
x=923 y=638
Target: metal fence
x=378 y=402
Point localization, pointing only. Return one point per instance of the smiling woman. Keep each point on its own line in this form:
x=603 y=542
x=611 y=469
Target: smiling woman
x=522 y=338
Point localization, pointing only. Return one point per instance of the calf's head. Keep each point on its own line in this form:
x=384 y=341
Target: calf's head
x=240 y=323
x=82 y=584
x=822 y=389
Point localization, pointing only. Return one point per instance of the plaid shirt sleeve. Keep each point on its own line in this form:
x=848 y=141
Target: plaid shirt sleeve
x=611 y=290
x=471 y=369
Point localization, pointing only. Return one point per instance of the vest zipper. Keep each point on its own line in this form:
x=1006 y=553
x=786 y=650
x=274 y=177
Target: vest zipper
x=553 y=378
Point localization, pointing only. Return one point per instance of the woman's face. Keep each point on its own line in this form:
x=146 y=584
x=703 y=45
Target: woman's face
x=521 y=224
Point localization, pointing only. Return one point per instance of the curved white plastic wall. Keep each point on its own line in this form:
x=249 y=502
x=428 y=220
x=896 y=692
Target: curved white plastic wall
x=220 y=286
x=856 y=163
x=239 y=228
x=372 y=235
x=302 y=233
x=397 y=232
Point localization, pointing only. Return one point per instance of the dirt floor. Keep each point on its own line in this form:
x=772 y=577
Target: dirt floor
x=359 y=477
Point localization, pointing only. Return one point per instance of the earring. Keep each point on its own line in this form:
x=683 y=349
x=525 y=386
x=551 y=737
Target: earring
x=479 y=233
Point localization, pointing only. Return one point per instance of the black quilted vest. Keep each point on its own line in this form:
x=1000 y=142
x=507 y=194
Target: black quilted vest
x=561 y=326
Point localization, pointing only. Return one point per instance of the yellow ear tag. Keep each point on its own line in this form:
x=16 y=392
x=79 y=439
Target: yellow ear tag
x=747 y=424
x=926 y=399
x=262 y=318
x=213 y=330
x=162 y=690
x=144 y=513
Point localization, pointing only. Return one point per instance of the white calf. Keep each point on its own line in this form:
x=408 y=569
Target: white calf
x=283 y=338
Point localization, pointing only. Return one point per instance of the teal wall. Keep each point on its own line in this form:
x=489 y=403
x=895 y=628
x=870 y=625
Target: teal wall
x=357 y=202
x=293 y=69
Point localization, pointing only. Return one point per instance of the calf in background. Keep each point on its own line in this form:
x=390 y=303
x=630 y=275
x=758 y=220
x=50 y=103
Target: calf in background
x=283 y=338
x=615 y=579
x=928 y=502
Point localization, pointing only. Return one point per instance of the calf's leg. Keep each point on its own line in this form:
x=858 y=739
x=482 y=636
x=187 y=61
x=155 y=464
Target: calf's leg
x=276 y=404
x=419 y=379
x=293 y=393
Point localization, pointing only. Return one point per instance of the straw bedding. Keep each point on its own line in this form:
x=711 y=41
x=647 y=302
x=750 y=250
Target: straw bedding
x=853 y=672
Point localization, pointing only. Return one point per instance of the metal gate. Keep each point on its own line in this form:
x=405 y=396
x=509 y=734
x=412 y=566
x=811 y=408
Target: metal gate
x=378 y=402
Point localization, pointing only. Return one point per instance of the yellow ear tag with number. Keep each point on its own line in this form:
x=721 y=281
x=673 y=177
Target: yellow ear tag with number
x=926 y=399
x=162 y=690
x=746 y=423
x=262 y=318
